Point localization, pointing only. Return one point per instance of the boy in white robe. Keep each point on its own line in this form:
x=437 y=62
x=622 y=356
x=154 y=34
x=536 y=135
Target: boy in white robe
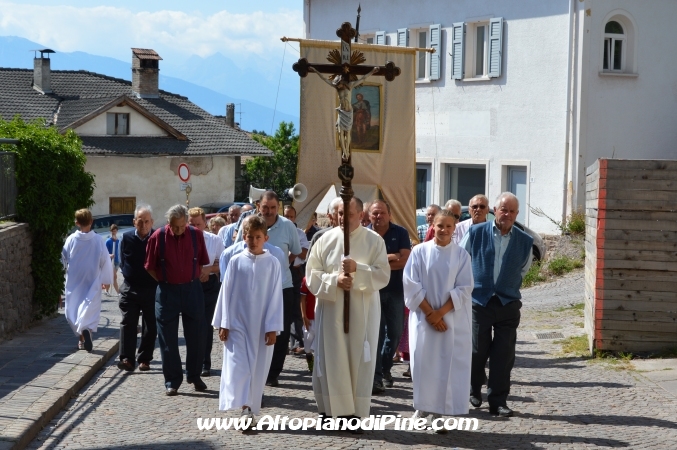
x=88 y=267
x=249 y=315
x=438 y=283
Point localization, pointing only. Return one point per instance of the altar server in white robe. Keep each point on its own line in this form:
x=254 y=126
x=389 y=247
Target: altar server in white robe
x=88 y=267
x=249 y=315
x=438 y=283
x=343 y=373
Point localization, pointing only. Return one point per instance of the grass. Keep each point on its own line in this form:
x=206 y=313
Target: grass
x=563 y=264
x=575 y=345
x=576 y=223
x=533 y=276
x=579 y=324
x=577 y=308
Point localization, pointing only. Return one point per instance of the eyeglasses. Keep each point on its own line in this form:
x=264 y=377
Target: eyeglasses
x=478 y=206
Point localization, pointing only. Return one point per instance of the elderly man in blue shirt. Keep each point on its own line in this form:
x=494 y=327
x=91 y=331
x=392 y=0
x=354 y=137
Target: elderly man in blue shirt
x=501 y=256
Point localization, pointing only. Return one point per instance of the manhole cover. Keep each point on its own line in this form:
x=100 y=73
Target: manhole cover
x=549 y=336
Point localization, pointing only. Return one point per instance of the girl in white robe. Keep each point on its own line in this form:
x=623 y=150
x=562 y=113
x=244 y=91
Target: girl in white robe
x=438 y=284
x=88 y=267
x=249 y=307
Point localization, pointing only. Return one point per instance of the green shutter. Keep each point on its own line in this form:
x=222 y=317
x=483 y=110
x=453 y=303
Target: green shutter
x=380 y=38
x=458 y=50
x=435 y=58
x=402 y=37
x=495 y=47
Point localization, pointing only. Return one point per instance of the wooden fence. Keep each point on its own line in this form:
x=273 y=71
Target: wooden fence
x=631 y=255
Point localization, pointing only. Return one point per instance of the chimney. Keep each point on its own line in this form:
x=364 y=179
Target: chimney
x=42 y=71
x=145 y=73
x=230 y=115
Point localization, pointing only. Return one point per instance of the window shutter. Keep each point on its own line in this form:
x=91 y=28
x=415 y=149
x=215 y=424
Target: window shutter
x=380 y=38
x=435 y=58
x=402 y=37
x=495 y=47
x=458 y=50
x=110 y=123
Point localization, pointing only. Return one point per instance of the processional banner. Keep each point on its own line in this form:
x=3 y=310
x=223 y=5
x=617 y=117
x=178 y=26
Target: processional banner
x=383 y=144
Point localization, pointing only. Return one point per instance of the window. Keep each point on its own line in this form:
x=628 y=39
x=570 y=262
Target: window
x=614 y=47
x=427 y=64
x=477 y=49
x=463 y=182
x=423 y=187
x=117 y=123
x=421 y=56
x=121 y=205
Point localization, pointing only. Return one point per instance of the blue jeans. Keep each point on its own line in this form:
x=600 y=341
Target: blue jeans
x=392 y=324
x=170 y=301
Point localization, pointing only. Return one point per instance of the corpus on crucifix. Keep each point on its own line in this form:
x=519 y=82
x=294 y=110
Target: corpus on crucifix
x=343 y=76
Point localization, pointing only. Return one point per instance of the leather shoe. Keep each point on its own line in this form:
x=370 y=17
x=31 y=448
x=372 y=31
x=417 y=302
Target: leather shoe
x=206 y=373
x=198 y=384
x=126 y=364
x=171 y=392
x=378 y=388
x=476 y=402
x=501 y=411
x=144 y=366
x=273 y=383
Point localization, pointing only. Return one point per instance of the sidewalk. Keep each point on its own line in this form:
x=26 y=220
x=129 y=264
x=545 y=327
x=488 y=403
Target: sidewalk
x=42 y=369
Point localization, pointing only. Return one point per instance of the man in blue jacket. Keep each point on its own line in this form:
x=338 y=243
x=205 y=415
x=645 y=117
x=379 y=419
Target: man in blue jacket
x=501 y=256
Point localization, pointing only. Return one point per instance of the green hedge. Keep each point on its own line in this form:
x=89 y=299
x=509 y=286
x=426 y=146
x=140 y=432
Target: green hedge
x=52 y=184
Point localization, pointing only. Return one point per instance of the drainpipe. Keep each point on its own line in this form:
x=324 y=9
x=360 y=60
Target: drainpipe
x=571 y=93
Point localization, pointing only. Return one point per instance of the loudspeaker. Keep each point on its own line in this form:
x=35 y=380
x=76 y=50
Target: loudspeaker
x=255 y=193
x=297 y=193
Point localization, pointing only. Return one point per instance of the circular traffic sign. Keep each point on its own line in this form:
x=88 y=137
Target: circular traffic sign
x=184 y=172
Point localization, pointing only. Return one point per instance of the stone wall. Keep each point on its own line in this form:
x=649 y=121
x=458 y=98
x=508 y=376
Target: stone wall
x=16 y=280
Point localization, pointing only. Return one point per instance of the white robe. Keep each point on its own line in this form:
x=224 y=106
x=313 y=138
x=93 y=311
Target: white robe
x=343 y=374
x=440 y=361
x=88 y=266
x=249 y=305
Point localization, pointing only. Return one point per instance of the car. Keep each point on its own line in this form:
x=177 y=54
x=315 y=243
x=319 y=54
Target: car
x=101 y=224
x=539 y=245
x=214 y=208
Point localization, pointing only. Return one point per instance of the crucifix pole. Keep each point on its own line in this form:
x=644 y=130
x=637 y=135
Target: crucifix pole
x=343 y=77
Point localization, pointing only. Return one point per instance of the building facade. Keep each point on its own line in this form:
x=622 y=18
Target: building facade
x=523 y=95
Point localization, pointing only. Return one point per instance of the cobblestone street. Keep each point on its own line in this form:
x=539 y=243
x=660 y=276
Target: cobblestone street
x=559 y=402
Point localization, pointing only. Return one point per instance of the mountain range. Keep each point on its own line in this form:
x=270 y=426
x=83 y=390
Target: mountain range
x=210 y=82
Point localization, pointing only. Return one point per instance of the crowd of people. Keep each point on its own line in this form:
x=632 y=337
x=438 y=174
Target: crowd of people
x=267 y=288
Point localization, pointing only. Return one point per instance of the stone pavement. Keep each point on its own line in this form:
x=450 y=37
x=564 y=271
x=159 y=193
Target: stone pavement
x=42 y=369
x=560 y=402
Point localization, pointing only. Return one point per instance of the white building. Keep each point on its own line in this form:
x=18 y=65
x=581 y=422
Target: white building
x=523 y=95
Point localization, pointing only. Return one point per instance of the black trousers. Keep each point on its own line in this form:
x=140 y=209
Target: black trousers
x=282 y=342
x=390 y=331
x=188 y=301
x=135 y=302
x=210 y=289
x=500 y=350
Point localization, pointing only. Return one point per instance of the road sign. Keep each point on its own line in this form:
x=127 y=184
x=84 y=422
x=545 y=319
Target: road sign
x=183 y=186
x=184 y=172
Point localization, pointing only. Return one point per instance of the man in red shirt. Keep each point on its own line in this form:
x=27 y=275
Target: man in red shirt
x=175 y=255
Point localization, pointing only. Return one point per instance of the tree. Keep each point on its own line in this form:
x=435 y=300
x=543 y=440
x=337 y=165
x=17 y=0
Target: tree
x=51 y=185
x=277 y=172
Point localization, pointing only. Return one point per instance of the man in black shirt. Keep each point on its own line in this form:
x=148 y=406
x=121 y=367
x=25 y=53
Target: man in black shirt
x=137 y=294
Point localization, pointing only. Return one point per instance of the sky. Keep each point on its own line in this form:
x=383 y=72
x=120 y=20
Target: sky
x=246 y=31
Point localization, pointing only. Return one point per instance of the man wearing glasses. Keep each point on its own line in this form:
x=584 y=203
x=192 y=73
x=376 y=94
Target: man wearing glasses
x=479 y=208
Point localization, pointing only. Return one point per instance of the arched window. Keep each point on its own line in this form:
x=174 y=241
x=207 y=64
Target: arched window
x=614 y=47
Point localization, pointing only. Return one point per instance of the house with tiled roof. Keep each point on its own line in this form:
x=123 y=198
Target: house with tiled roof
x=134 y=134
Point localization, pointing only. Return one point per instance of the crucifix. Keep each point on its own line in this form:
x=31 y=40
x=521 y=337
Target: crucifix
x=343 y=76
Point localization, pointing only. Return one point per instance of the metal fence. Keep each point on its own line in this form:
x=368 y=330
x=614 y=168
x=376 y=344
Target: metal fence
x=7 y=185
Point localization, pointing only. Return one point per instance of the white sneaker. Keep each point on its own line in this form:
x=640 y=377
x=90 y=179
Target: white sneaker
x=441 y=430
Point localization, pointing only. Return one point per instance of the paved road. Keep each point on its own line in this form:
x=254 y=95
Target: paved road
x=560 y=403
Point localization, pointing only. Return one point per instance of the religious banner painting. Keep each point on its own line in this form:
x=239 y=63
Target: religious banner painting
x=367 y=118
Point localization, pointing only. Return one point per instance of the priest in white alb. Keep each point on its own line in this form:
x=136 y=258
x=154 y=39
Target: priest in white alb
x=438 y=283
x=248 y=315
x=88 y=267
x=343 y=373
